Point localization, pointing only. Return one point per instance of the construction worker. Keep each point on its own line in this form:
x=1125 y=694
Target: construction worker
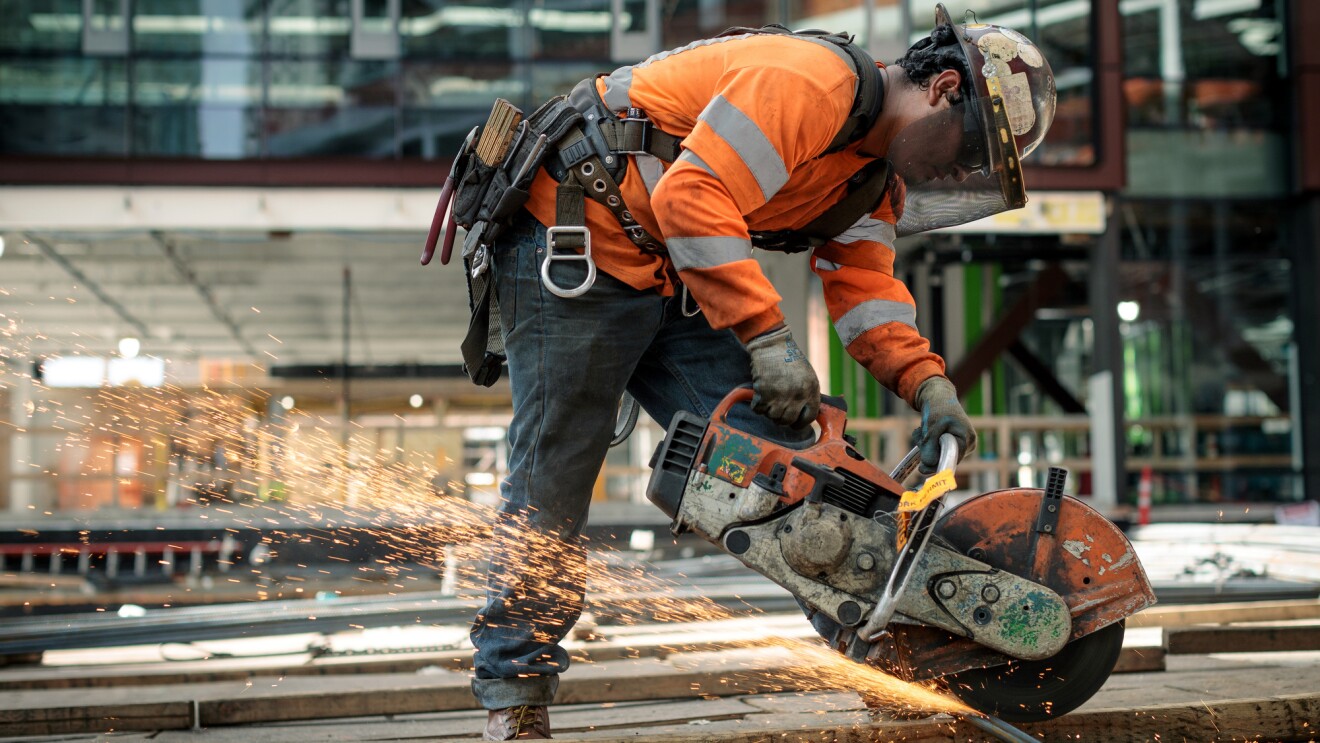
x=747 y=139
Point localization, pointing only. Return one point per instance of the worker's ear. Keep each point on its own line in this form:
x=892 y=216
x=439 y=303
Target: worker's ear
x=942 y=86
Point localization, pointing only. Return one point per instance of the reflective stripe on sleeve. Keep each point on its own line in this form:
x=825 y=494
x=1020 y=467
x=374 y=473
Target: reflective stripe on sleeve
x=691 y=157
x=753 y=147
x=651 y=170
x=706 y=252
x=870 y=229
x=872 y=314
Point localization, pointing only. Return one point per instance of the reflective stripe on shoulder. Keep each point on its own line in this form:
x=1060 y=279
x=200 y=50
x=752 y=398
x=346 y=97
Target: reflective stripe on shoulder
x=618 y=84
x=871 y=229
x=707 y=252
x=618 y=88
x=872 y=314
x=753 y=147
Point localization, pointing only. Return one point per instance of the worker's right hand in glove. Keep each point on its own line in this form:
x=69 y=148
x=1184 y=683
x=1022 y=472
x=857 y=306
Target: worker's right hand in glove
x=941 y=413
x=786 y=388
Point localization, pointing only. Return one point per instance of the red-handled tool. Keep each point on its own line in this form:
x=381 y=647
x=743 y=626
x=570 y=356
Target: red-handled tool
x=443 y=209
x=442 y=216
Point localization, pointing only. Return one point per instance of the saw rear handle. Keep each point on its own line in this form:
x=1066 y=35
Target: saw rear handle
x=832 y=419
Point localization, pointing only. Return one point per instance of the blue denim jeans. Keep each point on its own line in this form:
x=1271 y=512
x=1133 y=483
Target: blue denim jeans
x=570 y=360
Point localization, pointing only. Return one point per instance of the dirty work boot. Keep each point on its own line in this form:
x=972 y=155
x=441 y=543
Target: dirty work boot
x=518 y=723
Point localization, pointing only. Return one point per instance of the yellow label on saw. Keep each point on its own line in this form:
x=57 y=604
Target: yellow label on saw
x=935 y=486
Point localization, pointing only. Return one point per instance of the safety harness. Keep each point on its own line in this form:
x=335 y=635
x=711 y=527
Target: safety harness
x=585 y=147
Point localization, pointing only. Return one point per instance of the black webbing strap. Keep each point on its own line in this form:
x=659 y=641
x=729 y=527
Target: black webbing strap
x=867 y=103
x=482 y=364
x=868 y=186
x=637 y=135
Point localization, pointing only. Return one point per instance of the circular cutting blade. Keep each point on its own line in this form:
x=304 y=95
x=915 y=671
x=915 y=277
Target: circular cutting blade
x=1031 y=691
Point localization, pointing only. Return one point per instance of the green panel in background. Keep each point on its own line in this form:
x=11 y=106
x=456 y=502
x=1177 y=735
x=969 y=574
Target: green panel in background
x=1131 y=380
x=998 y=375
x=838 y=357
x=1157 y=371
x=973 y=398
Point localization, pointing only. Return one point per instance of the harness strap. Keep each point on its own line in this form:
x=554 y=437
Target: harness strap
x=588 y=173
x=635 y=135
x=868 y=186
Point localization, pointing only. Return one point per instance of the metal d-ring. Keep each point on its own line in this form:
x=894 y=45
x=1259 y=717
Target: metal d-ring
x=683 y=304
x=551 y=236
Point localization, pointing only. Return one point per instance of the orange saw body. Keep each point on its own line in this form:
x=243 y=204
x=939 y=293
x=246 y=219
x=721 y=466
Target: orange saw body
x=1005 y=586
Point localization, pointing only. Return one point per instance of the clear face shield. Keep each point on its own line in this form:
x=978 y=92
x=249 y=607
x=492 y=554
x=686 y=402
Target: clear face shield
x=959 y=164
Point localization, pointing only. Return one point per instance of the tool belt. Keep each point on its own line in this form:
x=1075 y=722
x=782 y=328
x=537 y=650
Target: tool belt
x=585 y=147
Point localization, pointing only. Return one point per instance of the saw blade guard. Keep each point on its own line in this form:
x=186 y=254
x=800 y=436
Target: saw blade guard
x=1077 y=553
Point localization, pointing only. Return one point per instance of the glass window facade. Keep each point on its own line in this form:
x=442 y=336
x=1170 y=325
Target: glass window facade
x=1206 y=97
x=253 y=79
x=1209 y=357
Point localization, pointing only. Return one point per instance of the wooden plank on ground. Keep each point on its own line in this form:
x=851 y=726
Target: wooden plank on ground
x=654 y=645
x=96 y=719
x=1140 y=660
x=1192 y=705
x=1255 y=639
x=272 y=699
x=1246 y=611
x=1277 y=718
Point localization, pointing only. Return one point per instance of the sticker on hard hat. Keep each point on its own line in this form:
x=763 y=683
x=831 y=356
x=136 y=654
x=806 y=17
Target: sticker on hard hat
x=1031 y=55
x=994 y=67
x=998 y=45
x=1017 y=102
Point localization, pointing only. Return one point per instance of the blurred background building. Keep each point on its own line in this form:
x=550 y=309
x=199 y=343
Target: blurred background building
x=211 y=213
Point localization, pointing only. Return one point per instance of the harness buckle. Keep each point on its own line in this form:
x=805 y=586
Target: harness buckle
x=636 y=118
x=480 y=260
x=551 y=239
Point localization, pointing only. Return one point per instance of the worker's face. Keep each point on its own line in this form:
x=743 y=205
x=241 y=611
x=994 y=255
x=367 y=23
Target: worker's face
x=946 y=143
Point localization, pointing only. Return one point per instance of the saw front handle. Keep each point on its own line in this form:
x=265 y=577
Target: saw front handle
x=832 y=419
x=914 y=545
x=949 y=457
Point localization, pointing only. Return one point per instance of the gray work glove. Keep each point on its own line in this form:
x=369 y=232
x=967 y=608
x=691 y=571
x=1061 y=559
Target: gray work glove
x=937 y=401
x=787 y=390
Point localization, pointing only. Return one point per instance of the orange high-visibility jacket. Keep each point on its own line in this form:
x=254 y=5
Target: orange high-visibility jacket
x=756 y=113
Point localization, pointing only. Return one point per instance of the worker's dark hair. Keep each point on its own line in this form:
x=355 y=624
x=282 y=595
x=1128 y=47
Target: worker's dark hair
x=934 y=54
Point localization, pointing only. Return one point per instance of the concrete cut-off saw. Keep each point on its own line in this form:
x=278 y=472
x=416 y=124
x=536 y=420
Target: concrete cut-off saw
x=1014 y=599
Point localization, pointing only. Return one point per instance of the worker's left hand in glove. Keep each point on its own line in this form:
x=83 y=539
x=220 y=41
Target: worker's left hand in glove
x=937 y=401
x=787 y=390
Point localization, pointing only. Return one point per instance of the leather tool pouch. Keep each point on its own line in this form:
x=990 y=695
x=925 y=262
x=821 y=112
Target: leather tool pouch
x=494 y=192
x=486 y=200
